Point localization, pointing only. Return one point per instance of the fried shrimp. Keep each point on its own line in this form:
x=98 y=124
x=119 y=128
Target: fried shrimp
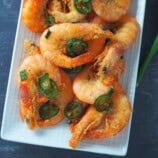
x=66 y=11
x=34 y=15
x=95 y=125
x=110 y=10
x=95 y=19
x=87 y=86
x=37 y=97
x=127 y=31
x=91 y=118
x=116 y=119
x=73 y=36
x=126 y=34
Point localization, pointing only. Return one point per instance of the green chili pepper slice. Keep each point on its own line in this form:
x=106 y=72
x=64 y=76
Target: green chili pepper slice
x=83 y=6
x=50 y=20
x=74 y=70
x=48 y=87
x=48 y=110
x=104 y=102
x=23 y=75
x=73 y=110
x=45 y=81
x=75 y=47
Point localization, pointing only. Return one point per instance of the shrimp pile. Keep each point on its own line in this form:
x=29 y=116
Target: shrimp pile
x=30 y=97
x=75 y=71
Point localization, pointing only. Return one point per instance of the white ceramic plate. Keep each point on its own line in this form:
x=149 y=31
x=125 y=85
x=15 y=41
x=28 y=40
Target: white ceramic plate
x=14 y=130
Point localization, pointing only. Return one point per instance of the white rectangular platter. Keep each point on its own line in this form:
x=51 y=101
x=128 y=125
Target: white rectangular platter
x=14 y=130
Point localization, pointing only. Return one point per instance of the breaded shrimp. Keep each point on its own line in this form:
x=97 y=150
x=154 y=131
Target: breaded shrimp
x=111 y=10
x=112 y=122
x=117 y=118
x=126 y=34
x=34 y=15
x=87 y=86
x=54 y=47
x=66 y=12
x=91 y=118
x=95 y=19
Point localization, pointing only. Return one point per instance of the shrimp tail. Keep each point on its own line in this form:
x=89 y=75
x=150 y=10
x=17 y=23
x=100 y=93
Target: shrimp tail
x=126 y=34
x=91 y=119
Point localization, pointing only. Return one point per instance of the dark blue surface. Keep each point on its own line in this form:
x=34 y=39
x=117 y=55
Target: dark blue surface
x=144 y=132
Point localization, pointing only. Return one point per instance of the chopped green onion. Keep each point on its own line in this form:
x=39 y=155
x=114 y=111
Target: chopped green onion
x=83 y=6
x=148 y=59
x=50 y=20
x=73 y=110
x=23 y=75
x=48 y=110
x=48 y=33
x=75 y=47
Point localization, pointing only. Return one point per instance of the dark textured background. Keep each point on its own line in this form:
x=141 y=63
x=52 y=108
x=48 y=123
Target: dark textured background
x=144 y=131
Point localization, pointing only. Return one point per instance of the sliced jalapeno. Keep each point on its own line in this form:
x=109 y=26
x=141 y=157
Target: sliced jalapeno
x=73 y=110
x=104 y=102
x=44 y=81
x=48 y=110
x=83 y=6
x=75 y=47
x=48 y=87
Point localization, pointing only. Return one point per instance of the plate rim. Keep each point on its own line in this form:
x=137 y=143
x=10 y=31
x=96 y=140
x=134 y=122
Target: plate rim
x=5 y=137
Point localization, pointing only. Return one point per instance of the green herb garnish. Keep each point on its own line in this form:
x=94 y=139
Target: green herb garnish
x=152 y=52
x=48 y=33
